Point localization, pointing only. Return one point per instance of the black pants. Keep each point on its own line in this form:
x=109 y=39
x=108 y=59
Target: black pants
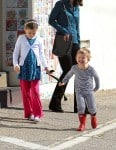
x=66 y=63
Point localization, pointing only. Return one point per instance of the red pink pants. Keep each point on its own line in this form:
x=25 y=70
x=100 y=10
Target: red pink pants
x=31 y=98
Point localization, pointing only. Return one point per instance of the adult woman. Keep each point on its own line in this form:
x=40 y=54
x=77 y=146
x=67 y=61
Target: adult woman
x=65 y=26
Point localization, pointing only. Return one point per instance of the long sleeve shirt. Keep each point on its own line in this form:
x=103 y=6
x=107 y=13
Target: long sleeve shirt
x=58 y=19
x=22 y=48
x=83 y=78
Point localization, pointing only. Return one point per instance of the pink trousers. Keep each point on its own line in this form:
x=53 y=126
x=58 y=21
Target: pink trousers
x=31 y=98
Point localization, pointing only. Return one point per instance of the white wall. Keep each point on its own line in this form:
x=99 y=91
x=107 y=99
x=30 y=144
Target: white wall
x=98 y=23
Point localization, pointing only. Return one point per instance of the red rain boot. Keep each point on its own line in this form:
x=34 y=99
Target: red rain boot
x=82 y=119
x=93 y=122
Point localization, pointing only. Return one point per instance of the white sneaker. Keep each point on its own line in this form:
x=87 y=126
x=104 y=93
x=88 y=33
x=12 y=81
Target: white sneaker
x=37 y=119
x=31 y=118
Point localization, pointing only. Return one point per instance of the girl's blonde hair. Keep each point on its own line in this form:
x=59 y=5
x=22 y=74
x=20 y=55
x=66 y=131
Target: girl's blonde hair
x=84 y=51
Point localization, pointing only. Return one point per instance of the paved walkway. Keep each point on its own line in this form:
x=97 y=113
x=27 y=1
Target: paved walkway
x=17 y=133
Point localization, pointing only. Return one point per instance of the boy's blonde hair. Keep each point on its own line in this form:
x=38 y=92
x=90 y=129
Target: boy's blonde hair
x=84 y=51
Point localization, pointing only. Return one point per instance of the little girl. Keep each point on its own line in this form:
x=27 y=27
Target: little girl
x=27 y=57
x=84 y=75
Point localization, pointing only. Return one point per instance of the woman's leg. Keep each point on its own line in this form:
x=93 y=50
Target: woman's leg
x=35 y=96
x=66 y=63
x=25 y=90
x=75 y=48
x=55 y=103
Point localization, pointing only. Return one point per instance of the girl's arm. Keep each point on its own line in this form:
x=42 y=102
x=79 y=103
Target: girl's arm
x=16 y=55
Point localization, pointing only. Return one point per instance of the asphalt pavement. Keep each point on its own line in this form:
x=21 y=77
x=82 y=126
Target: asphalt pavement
x=17 y=133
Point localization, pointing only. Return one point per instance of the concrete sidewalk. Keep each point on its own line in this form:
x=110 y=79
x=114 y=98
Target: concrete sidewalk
x=55 y=128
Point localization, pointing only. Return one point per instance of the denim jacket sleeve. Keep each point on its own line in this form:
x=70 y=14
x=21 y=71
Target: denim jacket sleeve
x=78 y=30
x=53 y=18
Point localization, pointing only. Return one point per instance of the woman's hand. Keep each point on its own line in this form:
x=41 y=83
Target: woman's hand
x=66 y=37
x=47 y=71
x=17 y=68
x=61 y=84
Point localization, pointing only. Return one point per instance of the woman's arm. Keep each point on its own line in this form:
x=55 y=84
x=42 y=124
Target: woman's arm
x=78 y=28
x=54 y=17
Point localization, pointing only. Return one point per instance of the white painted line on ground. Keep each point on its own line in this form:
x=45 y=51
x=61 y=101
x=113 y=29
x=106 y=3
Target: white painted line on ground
x=22 y=143
x=85 y=137
x=69 y=143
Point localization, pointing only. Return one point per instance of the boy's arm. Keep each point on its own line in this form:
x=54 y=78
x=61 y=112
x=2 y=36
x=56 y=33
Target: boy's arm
x=68 y=76
x=97 y=80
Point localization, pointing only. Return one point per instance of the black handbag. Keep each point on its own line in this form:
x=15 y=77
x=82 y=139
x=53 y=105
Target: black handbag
x=61 y=47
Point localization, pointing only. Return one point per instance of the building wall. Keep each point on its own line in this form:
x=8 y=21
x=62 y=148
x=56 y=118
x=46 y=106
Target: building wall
x=98 y=23
x=12 y=27
x=0 y=36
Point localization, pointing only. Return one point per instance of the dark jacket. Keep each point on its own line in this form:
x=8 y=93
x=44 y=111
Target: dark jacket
x=58 y=19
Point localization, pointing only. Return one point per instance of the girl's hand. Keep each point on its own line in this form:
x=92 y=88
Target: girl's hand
x=61 y=84
x=17 y=68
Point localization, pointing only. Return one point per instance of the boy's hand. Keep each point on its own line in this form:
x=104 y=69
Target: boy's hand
x=17 y=68
x=61 y=84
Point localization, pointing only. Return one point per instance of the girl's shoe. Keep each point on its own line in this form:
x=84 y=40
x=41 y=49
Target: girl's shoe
x=31 y=118
x=37 y=119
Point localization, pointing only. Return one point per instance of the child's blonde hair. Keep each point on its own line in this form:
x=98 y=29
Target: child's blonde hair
x=84 y=51
x=31 y=24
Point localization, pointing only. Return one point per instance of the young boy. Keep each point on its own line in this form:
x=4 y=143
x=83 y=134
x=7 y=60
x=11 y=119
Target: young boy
x=84 y=75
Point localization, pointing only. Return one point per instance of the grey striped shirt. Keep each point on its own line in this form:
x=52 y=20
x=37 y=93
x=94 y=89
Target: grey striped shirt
x=84 y=78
